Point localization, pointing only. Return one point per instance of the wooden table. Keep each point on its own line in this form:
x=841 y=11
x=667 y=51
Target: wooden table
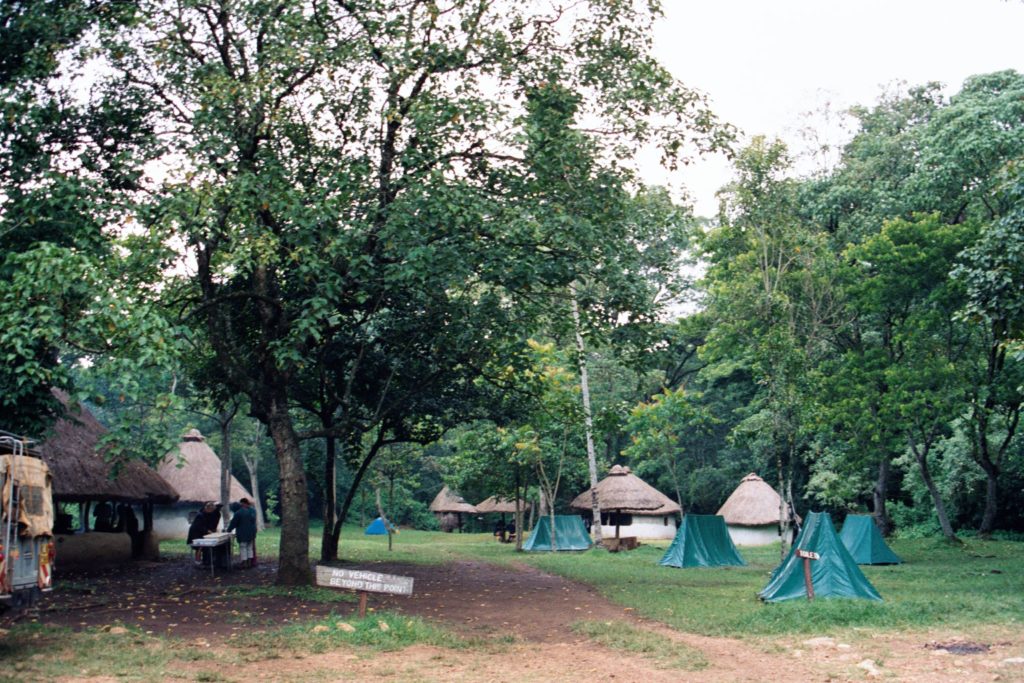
x=214 y=541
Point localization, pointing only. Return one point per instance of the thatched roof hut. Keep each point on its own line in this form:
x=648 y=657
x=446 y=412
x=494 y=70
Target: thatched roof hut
x=194 y=470
x=753 y=503
x=81 y=473
x=449 y=501
x=502 y=505
x=622 y=491
x=449 y=507
x=752 y=512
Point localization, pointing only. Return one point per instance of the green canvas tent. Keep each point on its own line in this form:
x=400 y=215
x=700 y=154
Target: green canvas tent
x=862 y=538
x=833 y=575
x=570 y=534
x=702 y=541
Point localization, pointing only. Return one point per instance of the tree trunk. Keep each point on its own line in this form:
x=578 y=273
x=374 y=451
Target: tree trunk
x=988 y=518
x=328 y=546
x=293 y=567
x=520 y=497
x=350 y=496
x=554 y=535
x=921 y=455
x=226 y=418
x=252 y=465
x=879 y=495
x=588 y=422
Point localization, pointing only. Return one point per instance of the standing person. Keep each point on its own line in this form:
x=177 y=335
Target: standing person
x=244 y=525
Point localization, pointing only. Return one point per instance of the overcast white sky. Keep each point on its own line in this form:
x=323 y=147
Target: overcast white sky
x=765 y=62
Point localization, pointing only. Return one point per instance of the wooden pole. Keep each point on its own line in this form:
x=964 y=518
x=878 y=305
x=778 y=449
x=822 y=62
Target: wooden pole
x=807 y=579
x=362 y=604
x=807 y=556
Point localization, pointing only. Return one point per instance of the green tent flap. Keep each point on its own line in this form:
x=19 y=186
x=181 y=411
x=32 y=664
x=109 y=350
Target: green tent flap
x=833 y=575
x=570 y=534
x=702 y=541
x=862 y=538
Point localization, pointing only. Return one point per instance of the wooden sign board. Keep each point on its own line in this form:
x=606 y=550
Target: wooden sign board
x=807 y=554
x=364 y=581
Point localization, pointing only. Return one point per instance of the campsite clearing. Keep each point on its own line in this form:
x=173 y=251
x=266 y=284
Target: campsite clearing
x=480 y=611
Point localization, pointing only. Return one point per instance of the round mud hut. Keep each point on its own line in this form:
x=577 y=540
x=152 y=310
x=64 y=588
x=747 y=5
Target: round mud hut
x=630 y=507
x=752 y=513
x=193 y=469
x=449 y=507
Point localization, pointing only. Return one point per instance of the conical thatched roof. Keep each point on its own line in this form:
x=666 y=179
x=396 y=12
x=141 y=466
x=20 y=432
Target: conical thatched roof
x=494 y=504
x=622 y=491
x=449 y=501
x=198 y=478
x=80 y=472
x=753 y=503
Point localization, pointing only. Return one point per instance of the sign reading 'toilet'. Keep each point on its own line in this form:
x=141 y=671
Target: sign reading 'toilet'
x=359 y=580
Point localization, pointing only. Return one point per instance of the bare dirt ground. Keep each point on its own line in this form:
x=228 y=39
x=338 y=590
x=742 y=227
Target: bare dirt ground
x=492 y=603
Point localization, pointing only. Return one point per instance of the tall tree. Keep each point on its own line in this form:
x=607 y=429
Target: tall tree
x=341 y=173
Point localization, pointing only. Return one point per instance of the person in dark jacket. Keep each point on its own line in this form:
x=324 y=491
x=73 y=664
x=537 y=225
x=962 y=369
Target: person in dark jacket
x=206 y=522
x=244 y=525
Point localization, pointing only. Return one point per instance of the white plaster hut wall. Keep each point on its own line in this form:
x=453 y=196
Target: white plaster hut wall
x=645 y=526
x=754 y=535
x=172 y=521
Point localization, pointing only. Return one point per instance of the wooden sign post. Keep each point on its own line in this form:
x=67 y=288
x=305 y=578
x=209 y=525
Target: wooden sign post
x=363 y=582
x=807 y=556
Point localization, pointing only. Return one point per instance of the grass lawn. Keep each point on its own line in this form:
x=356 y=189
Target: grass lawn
x=938 y=585
x=968 y=588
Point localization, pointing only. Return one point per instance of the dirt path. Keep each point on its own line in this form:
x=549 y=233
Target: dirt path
x=488 y=602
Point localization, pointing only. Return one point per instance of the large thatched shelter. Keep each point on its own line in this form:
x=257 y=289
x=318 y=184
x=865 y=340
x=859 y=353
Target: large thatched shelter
x=194 y=470
x=503 y=506
x=83 y=475
x=449 y=507
x=753 y=511
x=631 y=507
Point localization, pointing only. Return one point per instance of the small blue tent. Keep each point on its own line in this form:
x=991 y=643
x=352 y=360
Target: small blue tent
x=377 y=528
x=570 y=534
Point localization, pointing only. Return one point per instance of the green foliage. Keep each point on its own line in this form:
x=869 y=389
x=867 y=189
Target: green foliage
x=665 y=432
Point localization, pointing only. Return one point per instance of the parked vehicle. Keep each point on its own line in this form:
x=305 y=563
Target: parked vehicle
x=26 y=523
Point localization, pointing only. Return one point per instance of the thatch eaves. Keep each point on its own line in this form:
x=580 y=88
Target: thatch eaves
x=80 y=471
x=753 y=503
x=502 y=505
x=193 y=469
x=448 y=501
x=623 y=491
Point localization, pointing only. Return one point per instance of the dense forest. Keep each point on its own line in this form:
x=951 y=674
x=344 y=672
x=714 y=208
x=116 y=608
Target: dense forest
x=371 y=248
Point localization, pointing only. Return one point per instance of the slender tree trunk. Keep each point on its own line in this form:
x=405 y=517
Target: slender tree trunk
x=921 y=455
x=879 y=495
x=988 y=517
x=520 y=497
x=990 y=457
x=252 y=466
x=328 y=546
x=350 y=496
x=293 y=567
x=588 y=422
x=226 y=420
